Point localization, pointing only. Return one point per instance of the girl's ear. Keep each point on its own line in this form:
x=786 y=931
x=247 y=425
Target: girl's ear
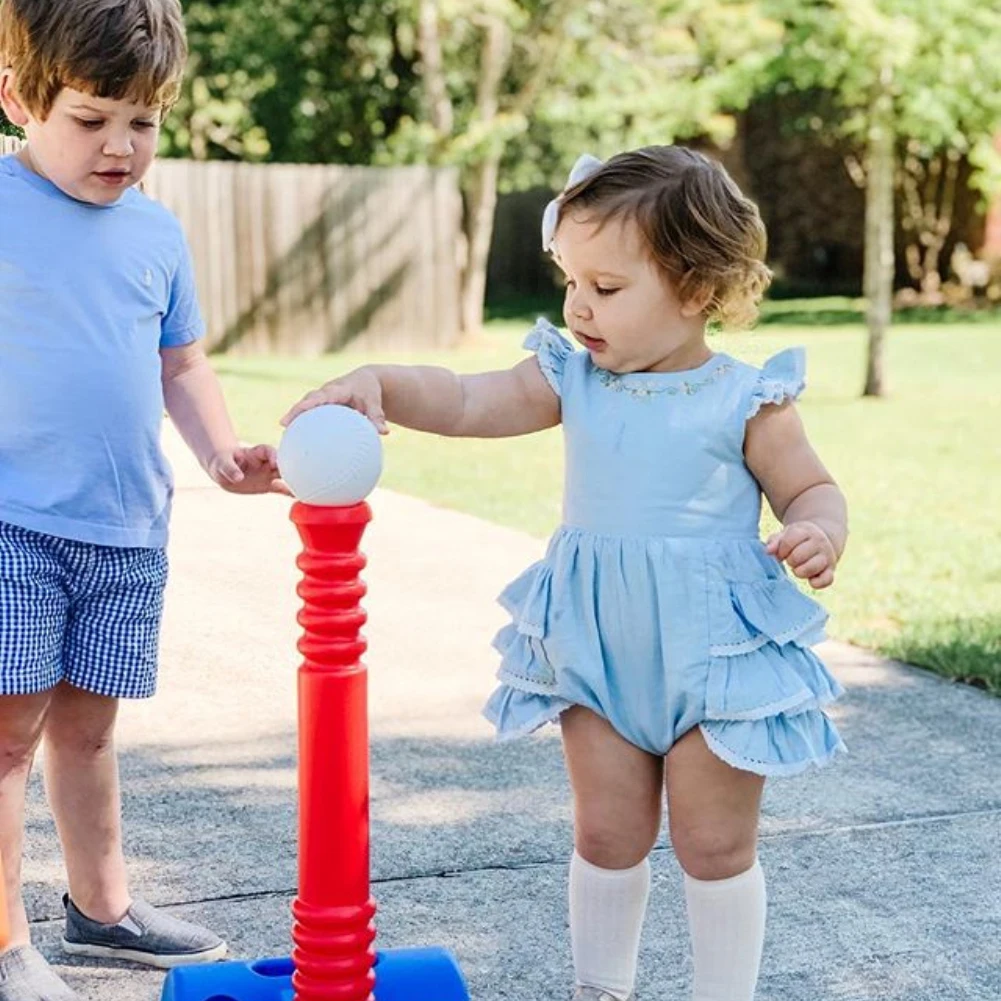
x=10 y=102
x=697 y=301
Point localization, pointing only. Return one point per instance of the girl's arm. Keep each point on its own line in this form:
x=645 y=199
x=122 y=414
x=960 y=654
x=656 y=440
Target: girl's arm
x=801 y=492
x=490 y=405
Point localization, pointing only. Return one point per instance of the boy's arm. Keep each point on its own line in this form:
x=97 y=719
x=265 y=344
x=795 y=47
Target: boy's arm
x=801 y=492
x=489 y=405
x=194 y=401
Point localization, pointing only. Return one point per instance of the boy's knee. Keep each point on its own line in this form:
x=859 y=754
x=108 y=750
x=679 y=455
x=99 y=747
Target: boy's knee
x=80 y=741
x=17 y=748
x=81 y=723
x=22 y=721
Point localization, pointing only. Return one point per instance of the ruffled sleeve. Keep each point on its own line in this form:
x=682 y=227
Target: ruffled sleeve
x=782 y=377
x=552 y=349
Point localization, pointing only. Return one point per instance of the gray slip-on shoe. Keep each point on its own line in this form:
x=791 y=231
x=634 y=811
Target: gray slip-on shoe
x=26 y=976
x=145 y=935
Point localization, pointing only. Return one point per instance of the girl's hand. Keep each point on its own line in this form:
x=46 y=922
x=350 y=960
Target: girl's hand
x=808 y=551
x=360 y=390
x=248 y=470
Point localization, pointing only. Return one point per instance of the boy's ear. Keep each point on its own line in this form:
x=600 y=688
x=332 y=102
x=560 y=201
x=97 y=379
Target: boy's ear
x=10 y=102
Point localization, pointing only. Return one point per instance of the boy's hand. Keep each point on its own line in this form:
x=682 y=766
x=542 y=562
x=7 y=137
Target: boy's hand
x=808 y=551
x=360 y=390
x=248 y=470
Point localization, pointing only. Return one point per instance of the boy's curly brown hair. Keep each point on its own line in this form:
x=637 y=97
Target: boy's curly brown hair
x=115 y=49
x=703 y=232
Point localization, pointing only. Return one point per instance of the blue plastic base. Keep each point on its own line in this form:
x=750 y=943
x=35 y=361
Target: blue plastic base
x=400 y=975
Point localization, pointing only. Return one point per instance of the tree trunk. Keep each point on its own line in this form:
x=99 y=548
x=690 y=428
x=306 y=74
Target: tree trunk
x=941 y=201
x=929 y=188
x=439 y=104
x=480 y=177
x=879 y=222
x=481 y=188
x=481 y=203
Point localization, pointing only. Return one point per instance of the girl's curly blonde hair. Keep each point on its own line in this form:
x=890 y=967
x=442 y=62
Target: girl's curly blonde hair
x=703 y=232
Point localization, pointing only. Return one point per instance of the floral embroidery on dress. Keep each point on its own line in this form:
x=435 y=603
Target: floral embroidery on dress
x=612 y=380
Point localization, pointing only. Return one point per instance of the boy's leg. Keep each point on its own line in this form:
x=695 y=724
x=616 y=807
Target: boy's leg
x=110 y=653
x=617 y=809
x=33 y=614
x=81 y=777
x=21 y=721
x=33 y=608
x=713 y=812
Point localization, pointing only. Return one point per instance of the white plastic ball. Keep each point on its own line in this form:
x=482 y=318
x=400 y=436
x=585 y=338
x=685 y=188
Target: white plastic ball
x=330 y=456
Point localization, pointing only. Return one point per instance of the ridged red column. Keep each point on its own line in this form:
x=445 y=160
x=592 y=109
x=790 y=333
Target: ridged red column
x=333 y=930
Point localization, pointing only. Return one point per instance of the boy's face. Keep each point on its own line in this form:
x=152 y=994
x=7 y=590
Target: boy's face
x=91 y=148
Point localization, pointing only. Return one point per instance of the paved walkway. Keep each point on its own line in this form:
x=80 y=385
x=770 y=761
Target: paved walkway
x=884 y=871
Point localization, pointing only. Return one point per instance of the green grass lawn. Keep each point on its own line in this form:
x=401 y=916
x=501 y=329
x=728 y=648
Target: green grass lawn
x=921 y=579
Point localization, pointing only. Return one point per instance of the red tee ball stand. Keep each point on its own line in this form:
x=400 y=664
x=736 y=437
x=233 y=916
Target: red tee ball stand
x=333 y=932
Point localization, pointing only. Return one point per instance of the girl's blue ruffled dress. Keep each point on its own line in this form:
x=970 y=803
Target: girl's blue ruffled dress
x=656 y=605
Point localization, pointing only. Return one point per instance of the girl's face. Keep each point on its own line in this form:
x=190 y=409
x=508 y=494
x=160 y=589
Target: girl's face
x=620 y=305
x=92 y=148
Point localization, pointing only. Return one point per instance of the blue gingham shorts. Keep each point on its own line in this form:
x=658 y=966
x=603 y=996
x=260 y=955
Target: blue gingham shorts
x=77 y=612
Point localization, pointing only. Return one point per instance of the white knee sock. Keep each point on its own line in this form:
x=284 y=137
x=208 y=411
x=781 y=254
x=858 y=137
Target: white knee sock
x=607 y=907
x=727 y=922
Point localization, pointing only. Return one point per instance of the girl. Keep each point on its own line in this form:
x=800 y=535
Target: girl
x=660 y=632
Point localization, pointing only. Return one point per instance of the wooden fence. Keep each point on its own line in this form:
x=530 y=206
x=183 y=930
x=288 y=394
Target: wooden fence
x=304 y=259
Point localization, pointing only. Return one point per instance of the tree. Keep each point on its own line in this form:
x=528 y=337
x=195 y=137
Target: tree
x=561 y=76
x=903 y=74
x=482 y=62
x=304 y=81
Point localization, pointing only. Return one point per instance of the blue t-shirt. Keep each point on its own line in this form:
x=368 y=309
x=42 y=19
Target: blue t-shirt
x=88 y=297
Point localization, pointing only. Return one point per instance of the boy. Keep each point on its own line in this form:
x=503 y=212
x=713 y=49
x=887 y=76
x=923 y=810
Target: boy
x=99 y=330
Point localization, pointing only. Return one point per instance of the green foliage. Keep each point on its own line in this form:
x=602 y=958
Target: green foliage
x=817 y=311
x=534 y=47
x=309 y=80
x=294 y=80
x=940 y=58
x=6 y=128
x=624 y=74
x=827 y=311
